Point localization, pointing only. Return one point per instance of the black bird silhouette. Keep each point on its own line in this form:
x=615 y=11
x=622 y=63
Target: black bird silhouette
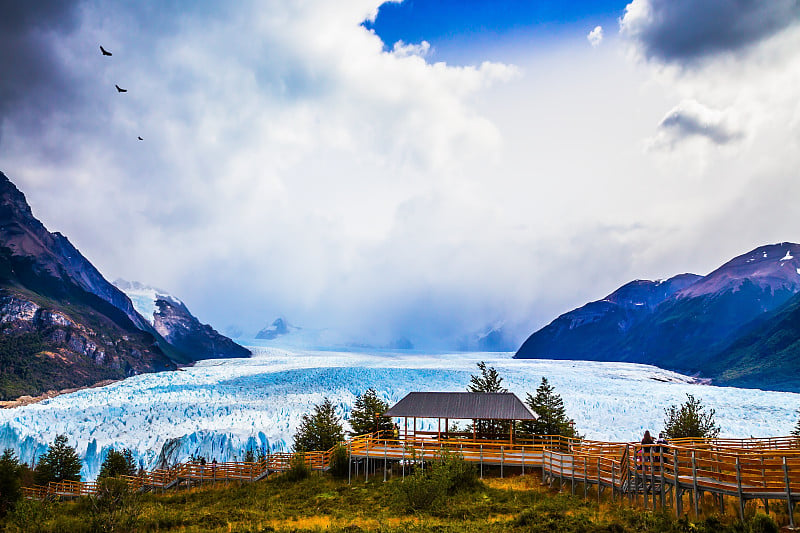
x=120 y=89
x=140 y=138
x=105 y=52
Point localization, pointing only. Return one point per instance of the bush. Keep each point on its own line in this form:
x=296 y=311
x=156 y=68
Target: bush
x=298 y=468
x=339 y=462
x=114 y=507
x=762 y=523
x=446 y=476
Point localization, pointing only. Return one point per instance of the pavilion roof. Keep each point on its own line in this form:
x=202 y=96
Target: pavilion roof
x=462 y=405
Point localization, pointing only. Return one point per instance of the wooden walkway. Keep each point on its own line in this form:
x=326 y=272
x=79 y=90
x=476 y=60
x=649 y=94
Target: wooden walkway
x=745 y=469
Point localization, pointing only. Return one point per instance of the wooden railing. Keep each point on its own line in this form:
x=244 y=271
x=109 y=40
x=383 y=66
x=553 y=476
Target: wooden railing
x=743 y=468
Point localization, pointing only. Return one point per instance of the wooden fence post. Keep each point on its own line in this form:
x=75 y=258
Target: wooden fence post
x=585 y=480
x=739 y=489
x=694 y=485
x=789 y=501
x=502 y=459
x=598 y=479
x=384 y=461
x=677 y=490
x=366 y=464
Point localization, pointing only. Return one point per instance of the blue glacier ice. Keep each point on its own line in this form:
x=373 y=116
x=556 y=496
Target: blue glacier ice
x=219 y=408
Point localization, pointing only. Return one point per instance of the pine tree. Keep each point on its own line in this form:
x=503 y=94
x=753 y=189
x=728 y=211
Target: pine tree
x=59 y=463
x=320 y=430
x=489 y=380
x=796 y=431
x=118 y=464
x=10 y=471
x=365 y=417
x=552 y=416
x=689 y=420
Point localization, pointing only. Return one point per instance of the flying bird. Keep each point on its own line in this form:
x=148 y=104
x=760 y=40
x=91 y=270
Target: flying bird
x=105 y=52
x=140 y=138
x=120 y=89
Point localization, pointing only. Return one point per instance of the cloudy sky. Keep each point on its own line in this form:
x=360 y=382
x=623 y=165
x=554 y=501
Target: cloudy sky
x=421 y=169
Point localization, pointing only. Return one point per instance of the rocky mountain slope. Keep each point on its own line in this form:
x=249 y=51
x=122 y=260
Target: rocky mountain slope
x=61 y=323
x=177 y=325
x=688 y=323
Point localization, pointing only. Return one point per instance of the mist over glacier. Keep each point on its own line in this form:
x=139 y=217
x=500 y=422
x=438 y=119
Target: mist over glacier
x=219 y=408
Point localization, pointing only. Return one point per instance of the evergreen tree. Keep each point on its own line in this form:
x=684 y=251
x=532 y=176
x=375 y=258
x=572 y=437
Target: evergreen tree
x=689 y=420
x=321 y=430
x=365 y=417
x=118 y=464
x=488 y=380
x=61 y=462
x=552 y=416
x=10 y=471
x=796 y=431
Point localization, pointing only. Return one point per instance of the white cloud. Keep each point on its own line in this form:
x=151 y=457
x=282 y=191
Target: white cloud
x=292 y=166
x=402 y=49
x=595 y=36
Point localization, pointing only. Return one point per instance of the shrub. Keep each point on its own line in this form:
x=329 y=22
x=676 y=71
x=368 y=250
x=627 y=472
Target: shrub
x=298 y=468
x=690 y=420
x=114 y=507
x=339 y=462
x=446 y=476
x=762 y=523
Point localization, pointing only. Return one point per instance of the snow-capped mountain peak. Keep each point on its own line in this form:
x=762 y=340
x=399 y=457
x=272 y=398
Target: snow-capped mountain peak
x=144 y=297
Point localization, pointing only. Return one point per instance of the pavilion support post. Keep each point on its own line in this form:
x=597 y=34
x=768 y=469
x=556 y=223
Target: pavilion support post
x=473 y=430
x=502 y=458
x=384 y=461
x=349 y=464
x=405 y=430
x=439 y=429
x=366 y=464
x=481 y=458
x=446 y=428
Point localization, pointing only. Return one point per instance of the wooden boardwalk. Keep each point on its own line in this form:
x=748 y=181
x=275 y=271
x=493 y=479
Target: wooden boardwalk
x=745 y=469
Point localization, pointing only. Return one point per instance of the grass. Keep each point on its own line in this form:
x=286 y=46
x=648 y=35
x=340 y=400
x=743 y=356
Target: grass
x=321 y=503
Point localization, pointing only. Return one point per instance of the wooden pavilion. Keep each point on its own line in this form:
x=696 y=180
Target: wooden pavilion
x=475 y=406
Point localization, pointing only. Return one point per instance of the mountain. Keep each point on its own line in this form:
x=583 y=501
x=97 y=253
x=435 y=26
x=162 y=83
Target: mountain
x=693 y=324
x=170 y=317
x=596 y=330
x=769 y=347
x=278 y=328
x=62 y=324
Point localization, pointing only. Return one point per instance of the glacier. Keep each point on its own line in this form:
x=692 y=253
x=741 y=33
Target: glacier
x=217 y=409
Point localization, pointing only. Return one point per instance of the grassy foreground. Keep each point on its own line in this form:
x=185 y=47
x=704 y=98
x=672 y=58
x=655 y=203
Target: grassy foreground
x=321 y=503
